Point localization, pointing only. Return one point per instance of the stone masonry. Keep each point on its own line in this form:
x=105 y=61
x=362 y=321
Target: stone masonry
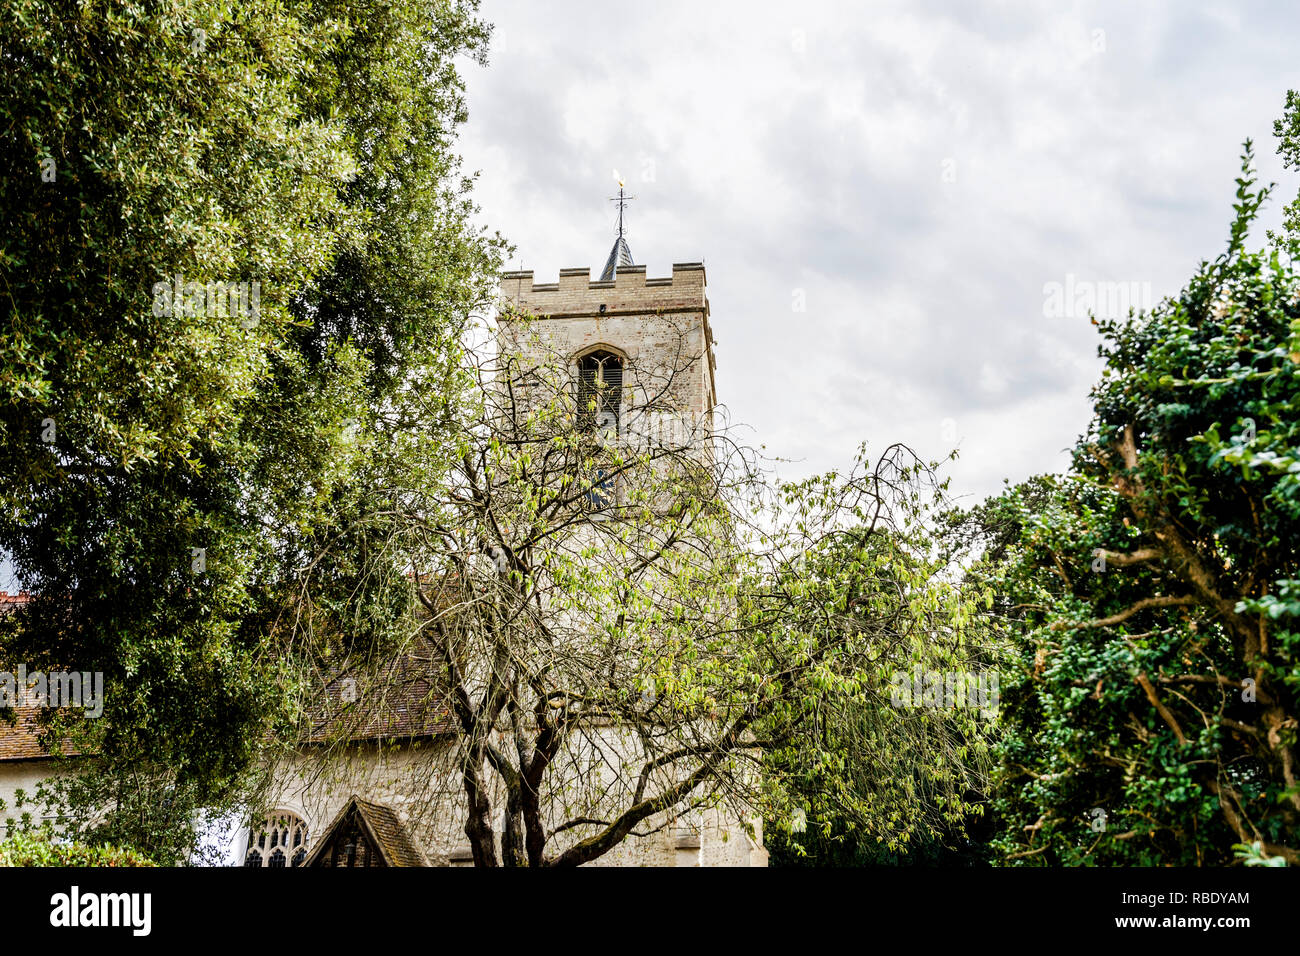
x=655 y=324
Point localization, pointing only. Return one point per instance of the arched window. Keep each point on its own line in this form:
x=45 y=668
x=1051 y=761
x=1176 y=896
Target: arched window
x=600 y=391
x=600 y=401
x=282 y=837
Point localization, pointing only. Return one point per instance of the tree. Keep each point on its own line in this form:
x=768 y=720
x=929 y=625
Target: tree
x=229 y=234
x=881 y=738
x=1152 y=709
x=632 y=627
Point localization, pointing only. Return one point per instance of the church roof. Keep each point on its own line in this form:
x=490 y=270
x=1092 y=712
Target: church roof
x=619 y=257
x=21 y=740
x=401 y=702
x=381 y=825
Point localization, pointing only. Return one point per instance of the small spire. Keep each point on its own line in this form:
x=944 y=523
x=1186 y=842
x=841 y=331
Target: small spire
x=620 y=255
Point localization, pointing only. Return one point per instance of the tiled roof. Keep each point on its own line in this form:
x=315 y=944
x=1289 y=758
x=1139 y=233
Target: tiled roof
x=408 y=704
x=391 y=834
x=21 y=739
x=385 y=829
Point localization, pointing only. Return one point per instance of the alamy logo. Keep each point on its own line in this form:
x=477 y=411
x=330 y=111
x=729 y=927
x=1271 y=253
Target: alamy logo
x=947 y=690
x=1080 y=298
x=644 y=431
x=215 y=300
x=64 y=689
x=74 y=908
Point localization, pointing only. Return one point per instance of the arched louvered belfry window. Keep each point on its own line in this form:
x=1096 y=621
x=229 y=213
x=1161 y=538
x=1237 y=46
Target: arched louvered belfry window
x=600 y=391
x=280 y=841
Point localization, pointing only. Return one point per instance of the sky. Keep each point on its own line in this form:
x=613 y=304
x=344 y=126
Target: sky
x=884 y=194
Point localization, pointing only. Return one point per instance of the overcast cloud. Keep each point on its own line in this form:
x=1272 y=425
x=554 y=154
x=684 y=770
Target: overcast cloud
x=916 y=173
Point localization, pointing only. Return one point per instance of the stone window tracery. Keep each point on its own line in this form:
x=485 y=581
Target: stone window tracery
x=280 y=841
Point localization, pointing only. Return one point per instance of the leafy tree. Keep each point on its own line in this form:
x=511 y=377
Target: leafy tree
x=873 y=774
x=167 y=467
x=1152 y=705
x=630 y=632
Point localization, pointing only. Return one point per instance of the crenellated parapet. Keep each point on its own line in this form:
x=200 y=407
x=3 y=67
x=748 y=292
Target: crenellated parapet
x=629 y=292
x=652 y=322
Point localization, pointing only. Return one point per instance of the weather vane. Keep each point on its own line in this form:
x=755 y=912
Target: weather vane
x=621 y=199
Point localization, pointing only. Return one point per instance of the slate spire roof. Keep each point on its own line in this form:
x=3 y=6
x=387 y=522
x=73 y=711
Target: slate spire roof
x=619 y=257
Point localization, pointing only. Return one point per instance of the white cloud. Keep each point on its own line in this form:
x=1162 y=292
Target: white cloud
x=919 y=171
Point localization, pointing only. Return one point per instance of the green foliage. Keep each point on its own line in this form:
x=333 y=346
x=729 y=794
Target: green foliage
x=865 y=594
x=37 y=849
x=963 y=846
x=1253 y=854
x=1152 y=702
x=167 y=474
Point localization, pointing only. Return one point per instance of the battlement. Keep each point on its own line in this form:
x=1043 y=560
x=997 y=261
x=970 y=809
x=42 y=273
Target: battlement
x=630 y=292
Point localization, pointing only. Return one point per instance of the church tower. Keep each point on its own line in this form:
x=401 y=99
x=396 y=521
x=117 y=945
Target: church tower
x=650 y=338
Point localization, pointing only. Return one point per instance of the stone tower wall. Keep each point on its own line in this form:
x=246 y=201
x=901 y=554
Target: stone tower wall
x=658 y=324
